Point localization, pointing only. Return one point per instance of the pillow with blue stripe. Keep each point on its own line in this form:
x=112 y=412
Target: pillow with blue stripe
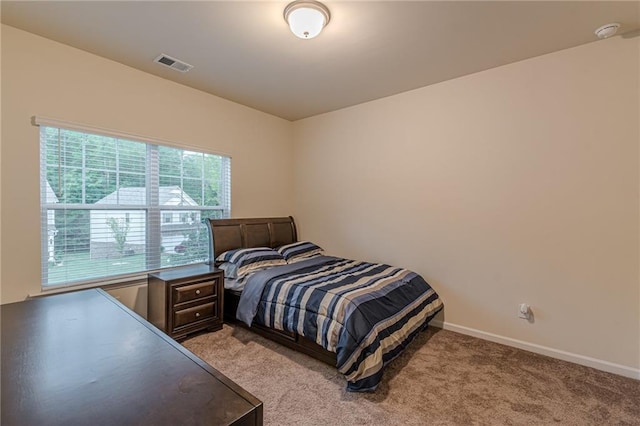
x=250 y=259
x=230 y=270
x=299 y=251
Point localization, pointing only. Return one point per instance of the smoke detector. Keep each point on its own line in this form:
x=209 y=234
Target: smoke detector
x=607 y=30
x=173 y=63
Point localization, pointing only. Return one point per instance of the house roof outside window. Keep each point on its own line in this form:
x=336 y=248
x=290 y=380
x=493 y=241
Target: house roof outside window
x=168 y=196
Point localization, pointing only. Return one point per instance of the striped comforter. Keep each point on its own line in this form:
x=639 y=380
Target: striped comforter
x=364 y=312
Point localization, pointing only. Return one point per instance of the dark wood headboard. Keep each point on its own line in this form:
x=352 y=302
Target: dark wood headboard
x=229 y=234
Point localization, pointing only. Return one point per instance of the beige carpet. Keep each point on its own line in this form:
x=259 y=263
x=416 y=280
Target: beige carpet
x=443 y=378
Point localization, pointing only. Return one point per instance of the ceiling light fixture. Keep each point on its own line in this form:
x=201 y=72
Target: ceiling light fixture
x=608 y=30
x=306 y=18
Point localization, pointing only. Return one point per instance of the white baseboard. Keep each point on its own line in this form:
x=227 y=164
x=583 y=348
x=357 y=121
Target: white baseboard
x=598 y=364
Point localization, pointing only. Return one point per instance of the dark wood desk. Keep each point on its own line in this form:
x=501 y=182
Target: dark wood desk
x=83 y=358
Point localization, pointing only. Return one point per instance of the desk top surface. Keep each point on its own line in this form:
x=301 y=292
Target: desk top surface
x=83 y=358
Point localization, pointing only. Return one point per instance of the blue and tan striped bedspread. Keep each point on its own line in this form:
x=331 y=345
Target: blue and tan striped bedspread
x=364 y=312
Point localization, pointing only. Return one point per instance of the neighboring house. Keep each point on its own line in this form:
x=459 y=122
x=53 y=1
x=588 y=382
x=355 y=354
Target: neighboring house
x=51 y=224
x=174 y=224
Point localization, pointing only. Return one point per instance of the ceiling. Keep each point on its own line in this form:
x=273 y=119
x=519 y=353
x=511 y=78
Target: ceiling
x=243 y=51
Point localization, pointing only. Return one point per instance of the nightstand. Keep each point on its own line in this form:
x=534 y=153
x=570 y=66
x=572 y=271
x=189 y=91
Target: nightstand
x=186 y=300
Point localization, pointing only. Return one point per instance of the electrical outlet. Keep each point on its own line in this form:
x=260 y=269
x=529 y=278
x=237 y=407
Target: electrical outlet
x=524 y=311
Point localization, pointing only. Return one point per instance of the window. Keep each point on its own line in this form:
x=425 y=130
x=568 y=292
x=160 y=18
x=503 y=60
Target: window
x=113 y=206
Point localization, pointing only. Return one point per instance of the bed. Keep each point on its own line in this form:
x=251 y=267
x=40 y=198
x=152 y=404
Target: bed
x=354 y=315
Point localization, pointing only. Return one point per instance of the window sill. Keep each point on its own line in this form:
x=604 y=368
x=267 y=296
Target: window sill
x=105 y=284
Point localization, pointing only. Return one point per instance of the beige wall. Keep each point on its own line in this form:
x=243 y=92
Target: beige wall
x=517 y=184
x=45 y=78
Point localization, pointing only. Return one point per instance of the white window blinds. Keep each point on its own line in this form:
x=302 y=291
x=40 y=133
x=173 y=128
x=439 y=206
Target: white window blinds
x=114 y=207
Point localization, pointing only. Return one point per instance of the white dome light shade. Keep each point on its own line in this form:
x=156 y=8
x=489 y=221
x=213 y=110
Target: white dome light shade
x=306 y=18
x=306 y=23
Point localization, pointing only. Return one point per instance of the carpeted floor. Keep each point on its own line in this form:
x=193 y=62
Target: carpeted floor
x=444 y=378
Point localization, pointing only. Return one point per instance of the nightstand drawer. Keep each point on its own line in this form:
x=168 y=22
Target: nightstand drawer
x=197 y=313
x=194 y=291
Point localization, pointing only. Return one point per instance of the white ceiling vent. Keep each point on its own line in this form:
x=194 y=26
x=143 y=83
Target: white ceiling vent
x=173 y=63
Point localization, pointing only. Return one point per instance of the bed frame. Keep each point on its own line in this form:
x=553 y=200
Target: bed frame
x=229 y=234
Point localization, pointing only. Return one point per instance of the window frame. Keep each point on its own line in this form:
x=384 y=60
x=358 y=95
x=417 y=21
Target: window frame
x=151 y=208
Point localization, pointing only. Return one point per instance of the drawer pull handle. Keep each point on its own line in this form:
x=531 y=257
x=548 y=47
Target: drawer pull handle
x=197 y=291
x=197 y=314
